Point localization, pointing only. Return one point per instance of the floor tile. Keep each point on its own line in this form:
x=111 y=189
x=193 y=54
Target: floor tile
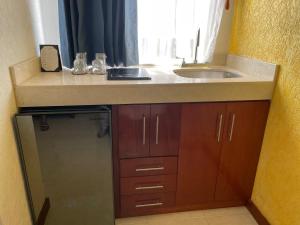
x=241 y=219
x=132 y=221
x=224 y=216
x=225 y=211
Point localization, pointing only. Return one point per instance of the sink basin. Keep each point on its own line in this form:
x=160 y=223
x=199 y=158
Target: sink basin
x=205 y=73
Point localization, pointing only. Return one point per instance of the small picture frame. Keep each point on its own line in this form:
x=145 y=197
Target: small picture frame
x=50 y=58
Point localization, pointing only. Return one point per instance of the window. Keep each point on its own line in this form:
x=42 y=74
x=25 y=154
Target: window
x=168 y=29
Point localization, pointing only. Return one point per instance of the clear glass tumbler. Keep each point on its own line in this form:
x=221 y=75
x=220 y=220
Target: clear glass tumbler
x=80 y=64
x=99 y=64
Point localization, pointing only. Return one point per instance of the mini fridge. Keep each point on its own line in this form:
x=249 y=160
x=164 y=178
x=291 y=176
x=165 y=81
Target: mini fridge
x=66 y=157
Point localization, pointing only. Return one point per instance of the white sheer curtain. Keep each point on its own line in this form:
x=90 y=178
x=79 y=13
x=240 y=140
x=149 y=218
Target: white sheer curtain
x=167 y=29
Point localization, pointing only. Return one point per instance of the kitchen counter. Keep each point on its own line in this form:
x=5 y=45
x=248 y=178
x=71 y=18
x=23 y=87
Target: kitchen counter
x=34 y=88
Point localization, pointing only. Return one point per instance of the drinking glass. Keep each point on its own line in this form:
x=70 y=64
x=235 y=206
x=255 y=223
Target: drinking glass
x=99 y=64
x=80 y=64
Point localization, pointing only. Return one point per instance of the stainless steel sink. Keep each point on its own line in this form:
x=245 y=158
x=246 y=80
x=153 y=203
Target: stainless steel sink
x=205 y=73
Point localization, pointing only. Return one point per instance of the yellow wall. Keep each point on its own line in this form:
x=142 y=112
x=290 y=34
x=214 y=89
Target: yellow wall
x=270 y=30
x=16 y=44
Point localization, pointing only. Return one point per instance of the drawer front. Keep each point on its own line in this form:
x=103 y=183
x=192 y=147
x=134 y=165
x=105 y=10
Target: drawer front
x=144 y=204
x=148 y=166
x=149 y=184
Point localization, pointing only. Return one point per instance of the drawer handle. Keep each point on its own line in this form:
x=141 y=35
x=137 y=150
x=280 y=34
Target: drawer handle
x=156 y=129
x=150 y=187
x=150 y=169
x=220 y=128
x=149 y=205
x=144 y=129
x=232 y=127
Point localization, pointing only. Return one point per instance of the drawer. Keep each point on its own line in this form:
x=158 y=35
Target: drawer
x=149 y=184
x=148 y=166
x=135 y=205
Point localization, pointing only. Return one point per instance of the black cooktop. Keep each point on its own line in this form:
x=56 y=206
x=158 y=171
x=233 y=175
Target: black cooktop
x=127 y=74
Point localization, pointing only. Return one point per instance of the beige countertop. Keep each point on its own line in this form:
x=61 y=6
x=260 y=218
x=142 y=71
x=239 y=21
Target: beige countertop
x=34 y=88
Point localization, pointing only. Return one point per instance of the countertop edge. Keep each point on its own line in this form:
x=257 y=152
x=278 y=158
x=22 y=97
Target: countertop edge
x=97 y=95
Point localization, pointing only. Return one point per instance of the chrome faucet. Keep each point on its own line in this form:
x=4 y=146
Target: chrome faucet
x=197 y=45
x=183 y=61
x=195 y=62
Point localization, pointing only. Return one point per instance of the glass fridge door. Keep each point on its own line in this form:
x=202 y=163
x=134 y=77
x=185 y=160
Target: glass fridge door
x=67 y=162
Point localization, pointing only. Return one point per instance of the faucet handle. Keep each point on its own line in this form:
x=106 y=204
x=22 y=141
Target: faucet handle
x=183 y=60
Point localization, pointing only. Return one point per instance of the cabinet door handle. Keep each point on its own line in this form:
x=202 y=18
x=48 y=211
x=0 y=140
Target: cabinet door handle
x=149 y=187
x=156 y=130
x=232 y=127
x=220 y=127
x=144 y=129
x=149 y=205
x=150 y=169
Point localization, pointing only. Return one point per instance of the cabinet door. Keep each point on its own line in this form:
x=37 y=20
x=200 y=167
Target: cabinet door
x=164 y=129
x=200 y=142
x=241 y=148
x=133 y=130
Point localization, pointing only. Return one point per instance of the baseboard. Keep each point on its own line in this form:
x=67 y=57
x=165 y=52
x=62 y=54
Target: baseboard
x=44 y=211
x=258 y=216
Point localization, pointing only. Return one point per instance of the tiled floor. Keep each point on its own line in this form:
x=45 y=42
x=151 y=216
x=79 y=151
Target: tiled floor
x=226 y=216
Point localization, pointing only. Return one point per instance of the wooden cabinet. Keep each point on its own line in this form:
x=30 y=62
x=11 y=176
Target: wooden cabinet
x=145 y=143
x=148 y=166
x=219 y=149
x=133 y=130
x=202 y=127
x=148 y=130
x=144 y=204
x=245 y=125
x=164 y=129
x=174 y=157
x=148 y=184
